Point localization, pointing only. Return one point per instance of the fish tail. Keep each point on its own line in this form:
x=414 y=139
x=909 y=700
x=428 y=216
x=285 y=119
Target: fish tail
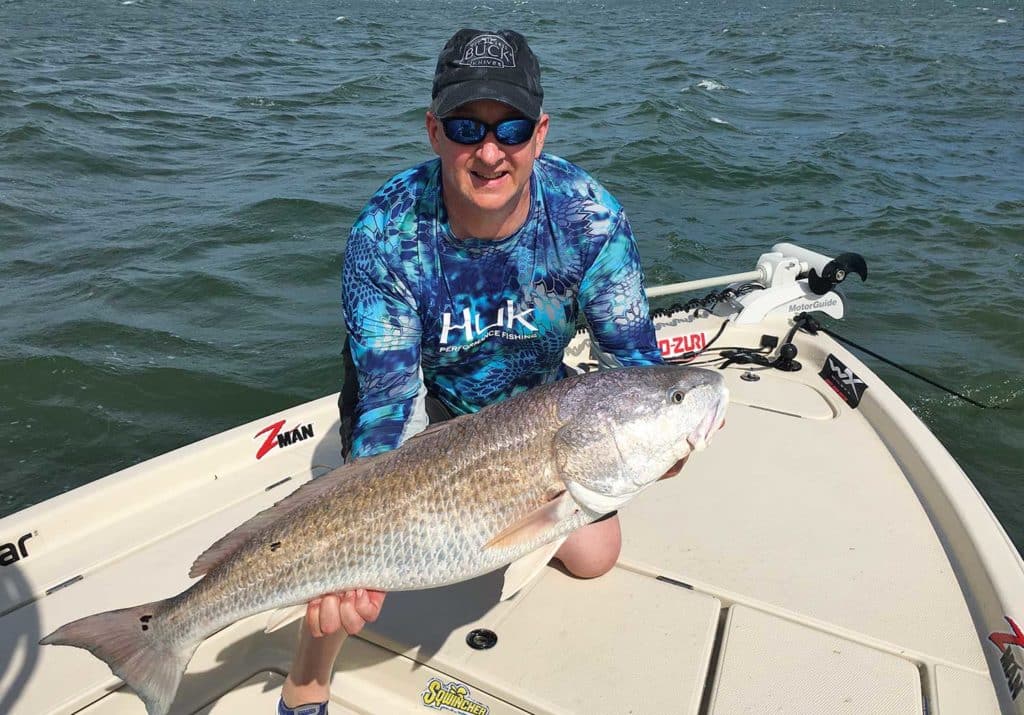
x=129 y=640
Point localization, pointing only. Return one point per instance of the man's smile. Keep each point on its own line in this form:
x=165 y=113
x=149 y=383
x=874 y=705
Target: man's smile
x=488 y=177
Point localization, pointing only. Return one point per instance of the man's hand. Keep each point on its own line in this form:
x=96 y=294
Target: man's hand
x=674 y=469
x=348 y=610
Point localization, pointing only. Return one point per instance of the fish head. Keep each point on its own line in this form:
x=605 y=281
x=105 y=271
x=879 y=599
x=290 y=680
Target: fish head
x=624 y=429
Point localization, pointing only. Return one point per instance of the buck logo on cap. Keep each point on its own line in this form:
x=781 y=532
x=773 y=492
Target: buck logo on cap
x=488 y=51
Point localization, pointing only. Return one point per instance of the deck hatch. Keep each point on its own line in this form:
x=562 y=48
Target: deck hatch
x=769 y=664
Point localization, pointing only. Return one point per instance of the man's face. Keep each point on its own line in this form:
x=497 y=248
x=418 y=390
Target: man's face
x=488 y=180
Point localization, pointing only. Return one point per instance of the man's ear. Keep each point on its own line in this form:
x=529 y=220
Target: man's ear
x=434 y=131
x=540 y=133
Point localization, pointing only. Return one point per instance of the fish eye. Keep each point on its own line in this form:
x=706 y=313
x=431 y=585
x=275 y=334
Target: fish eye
x=677 y=396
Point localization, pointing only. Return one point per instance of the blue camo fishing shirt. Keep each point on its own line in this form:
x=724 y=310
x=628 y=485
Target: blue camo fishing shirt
x=477 y=321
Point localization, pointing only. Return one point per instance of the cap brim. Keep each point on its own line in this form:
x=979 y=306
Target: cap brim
x=454 y=96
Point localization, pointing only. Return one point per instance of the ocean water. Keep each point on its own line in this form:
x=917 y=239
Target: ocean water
x=177 y=180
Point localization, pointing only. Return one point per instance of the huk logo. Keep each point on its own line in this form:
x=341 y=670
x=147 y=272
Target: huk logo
x=503 y=326
x=278 y=438
x=488 y=51
x=451 y=696
x=1011 y=667
x=843 y=380
x=14 y=551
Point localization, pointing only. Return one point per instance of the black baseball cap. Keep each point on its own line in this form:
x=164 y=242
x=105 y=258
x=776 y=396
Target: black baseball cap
x=478 y=64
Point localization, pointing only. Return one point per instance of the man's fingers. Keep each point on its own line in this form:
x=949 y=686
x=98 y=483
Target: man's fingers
x=313 y=617
x=330 y=618
x=350 y=610
x=370 y=608
x=674 y=469
x=350 y=618
x=365 y=607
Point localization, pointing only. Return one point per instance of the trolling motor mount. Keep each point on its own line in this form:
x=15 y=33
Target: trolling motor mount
x=824 y=273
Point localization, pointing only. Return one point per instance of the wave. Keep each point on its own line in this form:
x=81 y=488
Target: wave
x=56 y=110
x=25 y=132
x=282 y=211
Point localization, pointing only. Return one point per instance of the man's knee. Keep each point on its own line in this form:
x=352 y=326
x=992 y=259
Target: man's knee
x=593 y=550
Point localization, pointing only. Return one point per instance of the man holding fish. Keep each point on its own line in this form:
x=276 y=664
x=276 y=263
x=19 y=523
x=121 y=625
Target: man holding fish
x=463 y=280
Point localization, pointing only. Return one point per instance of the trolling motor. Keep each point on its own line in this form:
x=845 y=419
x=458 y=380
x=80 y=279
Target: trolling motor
x=797 y=280
x=824 y=273
x=787 y=281
x=786 y=274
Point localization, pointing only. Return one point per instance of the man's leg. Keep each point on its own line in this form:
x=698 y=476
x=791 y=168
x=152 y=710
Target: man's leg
x=309 y=678
x=593 y=550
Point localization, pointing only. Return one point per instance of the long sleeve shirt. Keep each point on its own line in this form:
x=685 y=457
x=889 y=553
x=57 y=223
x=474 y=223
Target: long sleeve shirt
x=477 y=321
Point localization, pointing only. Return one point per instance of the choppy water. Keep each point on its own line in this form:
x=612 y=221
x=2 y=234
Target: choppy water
x=177 y=179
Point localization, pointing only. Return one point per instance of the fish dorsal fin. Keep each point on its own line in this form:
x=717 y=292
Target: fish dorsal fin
x=521 y=573
x=309 y=492
x=532 y=526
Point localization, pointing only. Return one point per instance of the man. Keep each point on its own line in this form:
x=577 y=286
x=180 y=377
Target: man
x=462 y=285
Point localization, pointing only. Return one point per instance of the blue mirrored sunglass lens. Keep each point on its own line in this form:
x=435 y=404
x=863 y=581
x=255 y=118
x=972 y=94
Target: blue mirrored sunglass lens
x=514 y=131
x=465 y=131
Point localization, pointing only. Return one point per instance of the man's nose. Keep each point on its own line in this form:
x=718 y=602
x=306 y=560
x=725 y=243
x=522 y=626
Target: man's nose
x=490 y=150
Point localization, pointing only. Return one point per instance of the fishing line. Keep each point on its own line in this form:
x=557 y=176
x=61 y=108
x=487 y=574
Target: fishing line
x=809 y=325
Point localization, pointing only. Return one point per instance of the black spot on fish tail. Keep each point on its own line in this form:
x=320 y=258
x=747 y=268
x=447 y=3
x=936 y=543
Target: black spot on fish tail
x=148 y=662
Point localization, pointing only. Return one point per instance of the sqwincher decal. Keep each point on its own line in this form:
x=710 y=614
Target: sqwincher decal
x=842 y=379
x=454 y=697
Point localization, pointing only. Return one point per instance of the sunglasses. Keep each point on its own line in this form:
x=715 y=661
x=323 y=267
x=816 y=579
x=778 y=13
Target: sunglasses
x=463 y=130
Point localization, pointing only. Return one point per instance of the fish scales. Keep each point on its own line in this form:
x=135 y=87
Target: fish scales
x=435 y=511
x=389 y=527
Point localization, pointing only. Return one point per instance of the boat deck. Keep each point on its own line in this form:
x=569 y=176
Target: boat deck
x=792 y=567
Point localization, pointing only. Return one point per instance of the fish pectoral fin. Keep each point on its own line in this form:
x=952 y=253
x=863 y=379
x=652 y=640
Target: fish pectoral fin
x=284 y=616
x=532 y=526
x=522 y=572
x=596 y=503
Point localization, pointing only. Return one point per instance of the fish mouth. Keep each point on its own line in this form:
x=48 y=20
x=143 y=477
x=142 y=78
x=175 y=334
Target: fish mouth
x=713 y=421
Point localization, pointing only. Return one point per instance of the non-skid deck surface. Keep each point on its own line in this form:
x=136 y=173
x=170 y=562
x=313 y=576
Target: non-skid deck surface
x=812 y=519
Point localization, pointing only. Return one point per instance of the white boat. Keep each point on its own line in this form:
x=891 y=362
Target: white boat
x=825 y=555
